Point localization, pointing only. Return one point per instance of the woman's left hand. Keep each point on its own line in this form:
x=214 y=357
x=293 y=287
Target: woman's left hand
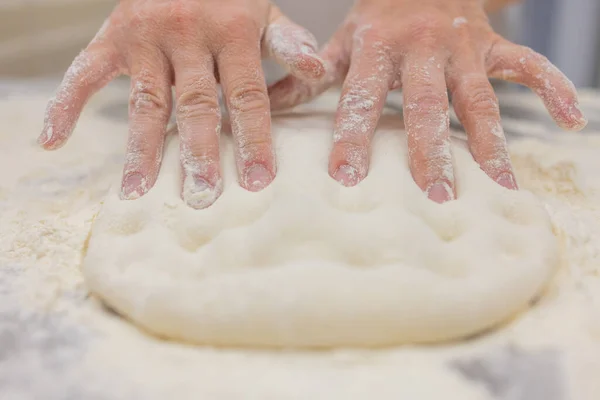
x=427 y=47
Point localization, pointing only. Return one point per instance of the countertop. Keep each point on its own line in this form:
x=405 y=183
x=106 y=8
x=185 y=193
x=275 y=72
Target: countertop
x=57 y=342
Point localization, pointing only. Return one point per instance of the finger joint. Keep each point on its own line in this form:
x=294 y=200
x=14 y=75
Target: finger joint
x=481 y=99
x=147 y=97
x=248 y=97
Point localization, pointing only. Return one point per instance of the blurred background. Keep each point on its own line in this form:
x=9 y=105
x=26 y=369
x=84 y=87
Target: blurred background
x=39 y=38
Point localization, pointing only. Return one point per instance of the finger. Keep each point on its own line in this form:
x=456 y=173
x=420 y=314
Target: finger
x=149 y=111
x=91 y=70
x=477 y=108
x=427 y=126
x=293 y=47
x=199 y=123
x=291 y=91
x=246 y=96
x=361 y=103
x=524 y=66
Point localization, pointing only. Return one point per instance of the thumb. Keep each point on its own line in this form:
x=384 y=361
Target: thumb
x=292 y=46
x=292 y=90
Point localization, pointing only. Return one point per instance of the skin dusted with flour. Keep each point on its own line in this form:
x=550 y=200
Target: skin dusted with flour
x=193 y=45
x=427 y=48
x=421 y=46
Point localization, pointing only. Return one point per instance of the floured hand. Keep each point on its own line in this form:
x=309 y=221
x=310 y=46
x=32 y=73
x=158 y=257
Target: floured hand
x=192 y=44
x=426 y=47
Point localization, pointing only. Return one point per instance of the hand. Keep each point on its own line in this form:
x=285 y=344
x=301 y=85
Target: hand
x=427 y=47
x=192 y=44
x=495 y=5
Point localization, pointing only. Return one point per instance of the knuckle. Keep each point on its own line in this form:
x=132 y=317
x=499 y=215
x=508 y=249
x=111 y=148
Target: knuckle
x=497 y=46
x=481 y=99
x=426 y=99
x=375 y=45
x=373 y=34
x=137 y=19
x=180 y=16
x=197 y=98
x=358 y=99
x=370 y=34
x=248 y=97
x=147 y=96
x=426 y=28
x=239 y=24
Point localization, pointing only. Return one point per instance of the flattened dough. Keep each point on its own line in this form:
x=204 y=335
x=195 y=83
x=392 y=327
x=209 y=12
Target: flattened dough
x=310 y=263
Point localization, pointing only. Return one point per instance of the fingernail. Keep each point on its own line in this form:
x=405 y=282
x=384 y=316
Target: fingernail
x=310 y=65
x=507 y=180
x=347 y=175
x=308 y=49
x=133 y=186
x=580 y=119
x=439 y=192
x=198 y=193
x=45 y=136
x=257 y=178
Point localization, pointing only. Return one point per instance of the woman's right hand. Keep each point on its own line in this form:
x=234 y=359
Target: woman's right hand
x=429 y=49
x=193 y=45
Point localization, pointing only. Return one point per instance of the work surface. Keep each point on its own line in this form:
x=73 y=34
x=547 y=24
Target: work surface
x=57 y=342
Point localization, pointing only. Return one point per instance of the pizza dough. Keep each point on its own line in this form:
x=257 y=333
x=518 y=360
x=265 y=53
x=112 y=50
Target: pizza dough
x=310 y=263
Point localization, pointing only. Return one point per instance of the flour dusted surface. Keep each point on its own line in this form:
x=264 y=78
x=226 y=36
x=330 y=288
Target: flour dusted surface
x=309 y=262
x=64 y=345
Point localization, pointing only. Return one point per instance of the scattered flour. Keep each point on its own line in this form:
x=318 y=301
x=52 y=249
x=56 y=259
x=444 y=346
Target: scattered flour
x=51 y=330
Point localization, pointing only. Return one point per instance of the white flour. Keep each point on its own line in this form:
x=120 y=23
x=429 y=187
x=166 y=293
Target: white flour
x=56 y=343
